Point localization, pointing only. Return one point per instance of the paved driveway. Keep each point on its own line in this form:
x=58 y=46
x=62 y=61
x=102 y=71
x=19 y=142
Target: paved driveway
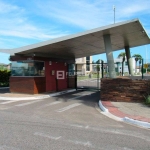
x=89 y=83
x=67 y=122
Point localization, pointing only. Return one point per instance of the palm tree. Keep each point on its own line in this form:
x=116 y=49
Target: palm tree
x=123 y=55
x=137 y=57
x=98 y=61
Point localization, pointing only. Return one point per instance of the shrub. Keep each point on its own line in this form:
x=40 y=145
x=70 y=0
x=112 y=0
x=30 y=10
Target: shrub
x=144 y=70
x=4 y=77
x=147 y=99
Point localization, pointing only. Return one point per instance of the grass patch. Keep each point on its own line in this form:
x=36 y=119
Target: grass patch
x=147 y=99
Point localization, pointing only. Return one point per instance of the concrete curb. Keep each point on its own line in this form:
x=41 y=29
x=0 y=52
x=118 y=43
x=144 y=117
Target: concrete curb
x=37 y=97
x=107 y=113
x=4 y=88
x=102 y=107
x=137 y=122
x=125 y=119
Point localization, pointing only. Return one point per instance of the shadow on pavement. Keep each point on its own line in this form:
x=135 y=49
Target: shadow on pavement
x=89 y=98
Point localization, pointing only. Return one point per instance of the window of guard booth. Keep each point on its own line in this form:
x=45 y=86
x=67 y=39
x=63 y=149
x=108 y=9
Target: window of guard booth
x=28 y=68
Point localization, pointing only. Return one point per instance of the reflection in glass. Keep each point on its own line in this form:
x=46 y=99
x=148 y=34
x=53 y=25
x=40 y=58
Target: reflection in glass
x=27 y=68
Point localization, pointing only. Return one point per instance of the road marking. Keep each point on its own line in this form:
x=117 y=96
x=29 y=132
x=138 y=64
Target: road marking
x=69 y=107
x=86 y=127
x=77 y=97
x=47 y=136
x=9 y=102
x=5 y=108
x=87 y=144
x=75 y=125
x=53 y=103
x=28 y=103
x=50 y=104
x=79 y=126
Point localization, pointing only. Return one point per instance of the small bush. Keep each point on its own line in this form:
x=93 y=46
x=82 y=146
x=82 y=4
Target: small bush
x=144 y=70
x=4 y=77
x=147 y=99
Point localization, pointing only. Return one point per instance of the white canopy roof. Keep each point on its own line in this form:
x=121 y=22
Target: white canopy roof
x=128 y=33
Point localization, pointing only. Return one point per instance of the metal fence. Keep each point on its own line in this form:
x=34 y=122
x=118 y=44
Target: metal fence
x=140 y=69
x=88 y=76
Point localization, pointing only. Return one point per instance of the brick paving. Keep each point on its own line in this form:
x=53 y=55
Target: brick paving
x=115 y=111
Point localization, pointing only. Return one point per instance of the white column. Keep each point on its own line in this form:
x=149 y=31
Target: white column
x=129 y=60
x=109 y=54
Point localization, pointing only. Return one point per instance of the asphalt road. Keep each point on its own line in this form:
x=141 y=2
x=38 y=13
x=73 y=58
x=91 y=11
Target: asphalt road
x=67 y=122
x=89 y=83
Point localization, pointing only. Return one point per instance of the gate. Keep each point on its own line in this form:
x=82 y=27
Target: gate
x=86 y=76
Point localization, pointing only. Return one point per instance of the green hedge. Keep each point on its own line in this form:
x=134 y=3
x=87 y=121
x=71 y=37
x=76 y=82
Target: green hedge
x=144 y=70
x=4 y=77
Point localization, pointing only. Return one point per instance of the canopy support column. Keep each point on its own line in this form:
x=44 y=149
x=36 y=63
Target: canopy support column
x=129 y=60
x=109 y=54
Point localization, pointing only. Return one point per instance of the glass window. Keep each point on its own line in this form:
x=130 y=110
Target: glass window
x=27 y=68
x=88 y=63
x=71 y=69
x=88 y=58
x=87 y=67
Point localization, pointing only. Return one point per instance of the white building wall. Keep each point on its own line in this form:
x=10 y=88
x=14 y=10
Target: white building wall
x=82 y=61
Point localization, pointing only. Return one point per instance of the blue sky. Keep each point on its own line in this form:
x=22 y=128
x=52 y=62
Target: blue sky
x=27 y=22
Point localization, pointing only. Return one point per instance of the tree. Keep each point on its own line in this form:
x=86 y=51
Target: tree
x=93 y=62
x=98 y=61
x=122 y=55
x=137 y=57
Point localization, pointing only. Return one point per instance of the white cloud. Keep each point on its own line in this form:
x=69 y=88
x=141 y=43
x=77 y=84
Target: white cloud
x=80 y=13
x=136 y=8
x=21 y=21
x=7 y=8
x=89 y=14
x=16 y=22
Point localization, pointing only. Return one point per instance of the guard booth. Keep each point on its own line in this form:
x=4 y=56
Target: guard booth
x=34 y=75
x=35 y=67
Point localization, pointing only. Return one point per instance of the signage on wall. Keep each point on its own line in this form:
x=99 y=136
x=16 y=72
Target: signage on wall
x=60 y=74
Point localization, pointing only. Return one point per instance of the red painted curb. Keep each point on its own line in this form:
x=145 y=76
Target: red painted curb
x=114 y=110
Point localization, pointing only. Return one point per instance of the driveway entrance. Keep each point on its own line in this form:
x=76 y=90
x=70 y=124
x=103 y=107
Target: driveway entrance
x=89 y=76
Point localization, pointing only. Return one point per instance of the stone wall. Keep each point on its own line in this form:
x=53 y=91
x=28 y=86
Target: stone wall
x=124 y=90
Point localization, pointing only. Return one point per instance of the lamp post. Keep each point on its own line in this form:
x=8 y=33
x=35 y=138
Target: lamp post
x=136 y=59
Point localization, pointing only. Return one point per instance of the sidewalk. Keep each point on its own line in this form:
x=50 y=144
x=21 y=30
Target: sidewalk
x=136 y=112
x=6 y=95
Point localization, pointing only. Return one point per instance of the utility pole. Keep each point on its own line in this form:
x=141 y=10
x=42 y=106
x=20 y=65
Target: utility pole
x=114 y=12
